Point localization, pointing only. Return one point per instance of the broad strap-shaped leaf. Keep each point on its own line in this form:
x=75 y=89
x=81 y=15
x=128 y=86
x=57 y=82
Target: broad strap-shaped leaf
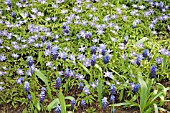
x=143 y=94
x=156 y=108
x=99 y=90
x=45 y=80
x=100 y=69
x=53 y=104
x=69 y=98
x=141 y=41
x=86 y=70
x=62 y=102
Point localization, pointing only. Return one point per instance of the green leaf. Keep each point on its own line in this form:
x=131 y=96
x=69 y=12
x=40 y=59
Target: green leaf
x=143 y=94
x=162 y=109
x=164 y=63
x=22 y=14
x=98 y=67
x=87 y=71
x=121 y=95
x=53 y=104
x=156 y=108
x=45 y=80
x=99 y=90
x=141 y=41
x=69 y=98
x=38 y=106
x=62 y=102
x=122 y=104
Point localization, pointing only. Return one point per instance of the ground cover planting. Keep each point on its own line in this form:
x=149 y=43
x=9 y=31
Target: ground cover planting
x=84 y=56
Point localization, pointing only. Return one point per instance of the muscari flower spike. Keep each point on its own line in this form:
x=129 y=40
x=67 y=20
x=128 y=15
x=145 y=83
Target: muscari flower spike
x=125 y=40
x=93 y=60
x=149 y=57
x=54 y=52
x=58 y=109
x=93 y=49
x=29 y=97
x=103 y=52
x=138 y=61
x=13 y=14
x=106 y=59
x=81 y=86
x=73 y=103
x=153 y=72
x=42 y=96
x=104 y=103
x=67 y=73
x=113 y=89
x=30 y=61
x=145 y=53
x=58 y=83
x=112 y=99
x=136 y=88
x=26 y=86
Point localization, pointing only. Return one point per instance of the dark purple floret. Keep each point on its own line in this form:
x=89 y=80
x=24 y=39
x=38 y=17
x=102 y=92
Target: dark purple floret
x=81 y=86
x=145 y=53
x=93 y=60
x=26 y=86
x=125 y=40
x=67 y=73
x=161 y=4
x=73 y=103
x=93 y=49
x=9 y=4
x=54 y=53
x=58 y=109
x=66 y=31
x=138 y=62
x=43 y=89
x=43 y=39
x=103 y=52
x=42 y=96
x=104 y=103
x=133 y=26
x=58 y=83
x=112 y=99
x=77 y=36
x=149 y=57
x=30 y=61
x=106 y=59
x=136 y=88
x=112 y=90
x=13 y=14
x=29 y=97
x=153 y=72
x=64 y=26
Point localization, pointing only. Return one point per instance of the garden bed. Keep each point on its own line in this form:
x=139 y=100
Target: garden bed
x=85 y=56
